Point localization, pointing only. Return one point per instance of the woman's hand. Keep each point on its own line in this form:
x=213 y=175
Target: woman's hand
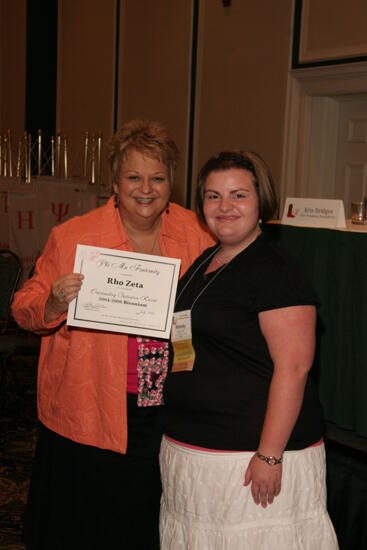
x=63 y=291
x=265 y=481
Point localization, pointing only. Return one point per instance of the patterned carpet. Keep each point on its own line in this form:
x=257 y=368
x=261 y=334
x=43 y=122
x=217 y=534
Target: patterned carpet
x=18 y=432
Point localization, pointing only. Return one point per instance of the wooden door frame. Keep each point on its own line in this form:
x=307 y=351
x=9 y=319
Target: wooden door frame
x=305 y=88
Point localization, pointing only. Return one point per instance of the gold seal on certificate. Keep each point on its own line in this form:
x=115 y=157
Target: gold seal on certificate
x=124 y=291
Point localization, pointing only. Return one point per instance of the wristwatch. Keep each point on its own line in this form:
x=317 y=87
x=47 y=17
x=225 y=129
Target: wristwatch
x=271 y=460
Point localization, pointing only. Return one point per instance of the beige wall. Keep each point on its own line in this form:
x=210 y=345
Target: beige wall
x=86 y=73
x=242 y=69
x=13 y=66
x=155 y=64
x=244 y=55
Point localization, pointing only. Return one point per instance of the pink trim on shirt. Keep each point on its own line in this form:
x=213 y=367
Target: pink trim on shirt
x=319 y=442
x=181 y=444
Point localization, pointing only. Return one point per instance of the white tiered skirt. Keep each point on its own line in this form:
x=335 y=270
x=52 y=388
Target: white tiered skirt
x=206 y=507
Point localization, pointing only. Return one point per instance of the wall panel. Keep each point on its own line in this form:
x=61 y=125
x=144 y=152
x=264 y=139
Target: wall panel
x=154 y=69
x=86 y=72
x=243 y=60
x=12 y=66
x=333 y=30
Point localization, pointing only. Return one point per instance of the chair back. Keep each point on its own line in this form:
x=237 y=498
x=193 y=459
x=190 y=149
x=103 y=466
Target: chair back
x=10 y=270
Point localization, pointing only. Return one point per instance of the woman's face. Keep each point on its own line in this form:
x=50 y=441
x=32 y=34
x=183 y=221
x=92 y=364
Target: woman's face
x=143 y=190
x=231 y=207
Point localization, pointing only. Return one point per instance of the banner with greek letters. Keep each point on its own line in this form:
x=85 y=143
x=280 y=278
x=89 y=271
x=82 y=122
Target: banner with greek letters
x=60 y=201
x=28 y=212
x=23 y=220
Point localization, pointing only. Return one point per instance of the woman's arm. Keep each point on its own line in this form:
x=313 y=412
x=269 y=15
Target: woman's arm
x=290 y=336
x=37 y=306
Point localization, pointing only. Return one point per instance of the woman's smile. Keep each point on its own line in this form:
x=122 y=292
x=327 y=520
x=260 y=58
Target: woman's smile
x=144 y=200
x=227 y=219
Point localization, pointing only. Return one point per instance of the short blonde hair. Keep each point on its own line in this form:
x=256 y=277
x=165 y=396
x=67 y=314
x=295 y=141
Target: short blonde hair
x=147 y=137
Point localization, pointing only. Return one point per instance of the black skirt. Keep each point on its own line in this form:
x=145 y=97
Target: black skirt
x=88 y=498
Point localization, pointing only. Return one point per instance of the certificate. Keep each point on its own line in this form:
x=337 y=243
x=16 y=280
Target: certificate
x=124 y=292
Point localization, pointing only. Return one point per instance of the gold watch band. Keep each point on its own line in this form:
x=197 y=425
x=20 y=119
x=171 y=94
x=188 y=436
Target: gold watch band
x=271 y=460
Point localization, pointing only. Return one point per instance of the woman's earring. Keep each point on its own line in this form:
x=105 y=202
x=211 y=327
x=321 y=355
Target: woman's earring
x=167 y=208
x=116 y=200
x=260 y=221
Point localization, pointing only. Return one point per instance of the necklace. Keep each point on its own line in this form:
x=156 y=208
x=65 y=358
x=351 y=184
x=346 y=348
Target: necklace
x=143 y=249
x=217 y=260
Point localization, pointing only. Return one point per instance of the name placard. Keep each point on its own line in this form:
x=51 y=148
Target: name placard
x=314 y=213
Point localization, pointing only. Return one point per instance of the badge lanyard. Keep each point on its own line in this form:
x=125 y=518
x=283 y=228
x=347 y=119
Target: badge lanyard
x=208 y=283
x=181 y=335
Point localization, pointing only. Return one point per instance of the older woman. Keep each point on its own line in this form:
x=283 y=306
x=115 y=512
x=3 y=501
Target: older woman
x=96 y=478
x=243 y=422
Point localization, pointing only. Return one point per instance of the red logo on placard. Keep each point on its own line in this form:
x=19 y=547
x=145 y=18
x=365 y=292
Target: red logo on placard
x=59 y=213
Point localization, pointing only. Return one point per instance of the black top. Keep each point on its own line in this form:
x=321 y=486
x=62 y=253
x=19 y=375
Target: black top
x=221 y=403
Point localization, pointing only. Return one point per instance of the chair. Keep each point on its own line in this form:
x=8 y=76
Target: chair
x=13 y=341
x=10 y=271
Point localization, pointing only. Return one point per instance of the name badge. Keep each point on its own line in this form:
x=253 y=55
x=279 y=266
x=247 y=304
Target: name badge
x=181 y=338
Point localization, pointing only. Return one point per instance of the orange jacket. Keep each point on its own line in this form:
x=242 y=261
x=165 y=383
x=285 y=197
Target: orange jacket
x=82 y=373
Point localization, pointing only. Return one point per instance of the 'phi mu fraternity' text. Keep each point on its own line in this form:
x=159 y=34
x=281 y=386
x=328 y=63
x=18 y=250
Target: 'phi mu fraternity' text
x=104 y=262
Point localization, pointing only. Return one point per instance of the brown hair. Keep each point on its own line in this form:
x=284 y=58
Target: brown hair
x=249 y=161
x=147 y=137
